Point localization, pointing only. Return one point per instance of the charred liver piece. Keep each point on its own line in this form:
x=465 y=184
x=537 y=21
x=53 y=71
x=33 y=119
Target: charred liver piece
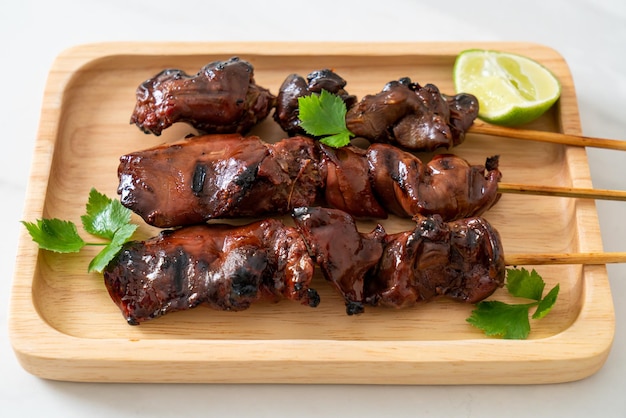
x=344 y=255
x=221 y=98
x=219 y=176
x=348 y=182
x=462 y=260
x=414 y=117
x=447 y=185
x=295 y=86
x=227 y=176
x=224 y=267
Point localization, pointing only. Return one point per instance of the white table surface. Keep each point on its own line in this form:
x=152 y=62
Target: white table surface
x=591 y=36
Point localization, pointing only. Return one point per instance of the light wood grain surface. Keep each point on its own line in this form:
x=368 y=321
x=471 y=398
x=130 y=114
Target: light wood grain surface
x=63 y=325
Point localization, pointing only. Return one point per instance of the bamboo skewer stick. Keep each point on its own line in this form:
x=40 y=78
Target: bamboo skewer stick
x=563 y=139
x=601 y=194
x=564 y=258
x=543 y=136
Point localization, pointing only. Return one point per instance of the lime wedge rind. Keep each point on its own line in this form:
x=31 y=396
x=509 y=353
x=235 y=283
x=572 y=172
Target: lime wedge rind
x=511 y=89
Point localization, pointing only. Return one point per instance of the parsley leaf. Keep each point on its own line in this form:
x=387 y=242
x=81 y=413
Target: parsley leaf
x=121 y=236
x=55 y=235
x=499 y=318
x=324 y=115
x=337 y=140
x=104 y=215
x=546 y=304
x=522 y=284
x=105 y=218
x=511 y=321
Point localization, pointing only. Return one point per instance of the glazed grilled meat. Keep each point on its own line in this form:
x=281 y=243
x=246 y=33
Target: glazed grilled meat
x=219 y=176
x=348 y=182
x=226 y=176
x=414 y=117
x=462 y=260
x=221 y=266
x=295 y=86
x=447 y=185
x=344 y=255
x=221 y=98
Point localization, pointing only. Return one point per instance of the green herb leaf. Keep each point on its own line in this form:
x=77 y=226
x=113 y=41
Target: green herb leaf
x=121 y=236
x=324 y=115
x=546 y=304
x=336 y=141
x=55 y=235
x=523 y=284
x=105 y=218
x=104 y=215
x=497 y=318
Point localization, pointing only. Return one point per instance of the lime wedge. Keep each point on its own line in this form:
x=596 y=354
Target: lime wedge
x=511 y=89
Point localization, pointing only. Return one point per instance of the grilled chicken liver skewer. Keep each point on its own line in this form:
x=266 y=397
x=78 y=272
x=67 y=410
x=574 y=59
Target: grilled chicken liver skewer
x=228 y=176
x=221 y=266
x=221 y=98
x=462 y=260
x=230 y=267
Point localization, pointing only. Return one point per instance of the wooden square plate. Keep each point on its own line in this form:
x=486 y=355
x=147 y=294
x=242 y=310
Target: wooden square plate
x=64 y=326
